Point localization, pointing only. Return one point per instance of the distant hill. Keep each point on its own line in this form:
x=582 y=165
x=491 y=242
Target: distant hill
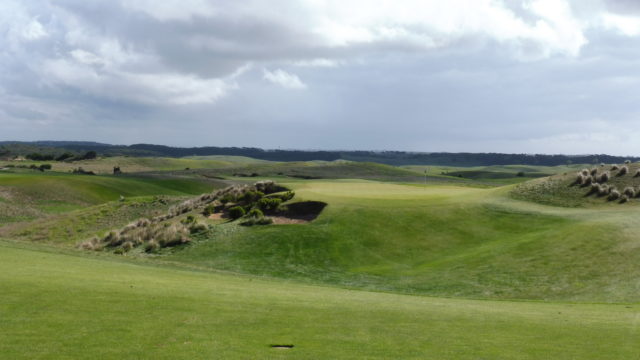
x=15 y=148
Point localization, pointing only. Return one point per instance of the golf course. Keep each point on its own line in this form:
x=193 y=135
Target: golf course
x=399 y=263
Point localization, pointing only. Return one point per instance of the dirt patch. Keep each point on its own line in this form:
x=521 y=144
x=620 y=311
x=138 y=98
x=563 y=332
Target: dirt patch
x=218 y=216
x=280 y=220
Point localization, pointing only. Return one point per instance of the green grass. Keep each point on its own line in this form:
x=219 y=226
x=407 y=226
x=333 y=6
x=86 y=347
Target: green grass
x=69 y=307
x=560 y=190
x=437 y=240
x=28 y=195
x=104 y=165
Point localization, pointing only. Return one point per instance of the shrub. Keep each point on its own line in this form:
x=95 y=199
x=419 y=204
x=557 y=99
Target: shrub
x=520 y=174
x=255 y=213
x=286 y=196
x=623 y=171
x=151 y=246
x=604 y=177
x=614 y=167
x=190 y=219
x=236 y=212
x=637 y=174
x=584 y=172
x=269 y=204
x=629 y=191
x=257 y=221
x=209 y=210
x=603 y=190
x=197 y=228
x=624 y=199
x=64 y=156
x=614 y=194
x=250 y=197
x=45 y=167
x=227 y=198
x=627 y=162
x=594 y=171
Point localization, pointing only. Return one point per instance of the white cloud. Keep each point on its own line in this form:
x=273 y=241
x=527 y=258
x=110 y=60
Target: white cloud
x=626 y=25
x=284 y=79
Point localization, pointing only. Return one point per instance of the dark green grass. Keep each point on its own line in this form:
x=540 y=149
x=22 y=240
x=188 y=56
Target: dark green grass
x=69 y=307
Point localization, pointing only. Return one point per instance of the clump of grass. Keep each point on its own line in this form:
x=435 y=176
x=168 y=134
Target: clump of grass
x=614 y=194
x=604 y=177
x=629 y=191
x=627 y=162
x=603 y=190
x=623 y=171
x=637 y=174
x=594 y=172
x=624 y=199
x=585 y=172
x=236 y=212
x=614 y=167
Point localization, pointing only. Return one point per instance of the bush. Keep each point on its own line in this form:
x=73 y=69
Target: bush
x=614 y=194
x=190 y=219
x=603 y=190
x=615 y=167
x=584 y=172
x=627 y=162
x=604 y=177
x=594 y=171
x=64 y=156
x=257 y=221
x=624 y=199
x=227 y=198
x=629 y=191
x=255 y=213
x=286 y=196
x=236 y=212
x=45 y=167
x=623 y=171
x=197 y=228
x=251 y=196
x=209 y=210
x=269 y=204
x=39 y=157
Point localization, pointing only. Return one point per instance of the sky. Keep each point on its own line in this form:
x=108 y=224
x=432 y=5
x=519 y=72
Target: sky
x=518 y=76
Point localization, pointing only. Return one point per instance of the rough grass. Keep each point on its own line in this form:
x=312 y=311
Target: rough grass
x=563 y=190
x=29 y=195
x=69 y=307
x=144 y=164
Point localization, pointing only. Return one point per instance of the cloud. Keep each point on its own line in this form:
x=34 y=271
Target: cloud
x=419 y=74
x=284 y=79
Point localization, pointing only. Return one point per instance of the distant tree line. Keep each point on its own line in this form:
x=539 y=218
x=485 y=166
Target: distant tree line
x=69 y=151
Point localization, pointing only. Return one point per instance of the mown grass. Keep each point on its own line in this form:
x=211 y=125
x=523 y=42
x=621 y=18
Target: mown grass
x=437 y=240
x=70 y=307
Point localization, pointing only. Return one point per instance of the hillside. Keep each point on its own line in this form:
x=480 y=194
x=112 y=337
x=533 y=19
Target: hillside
x=602 y=185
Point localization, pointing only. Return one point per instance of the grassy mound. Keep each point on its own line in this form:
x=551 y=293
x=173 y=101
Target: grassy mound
x=29 y=195
x=591 y=186
x=436 y=240
x=73 y=307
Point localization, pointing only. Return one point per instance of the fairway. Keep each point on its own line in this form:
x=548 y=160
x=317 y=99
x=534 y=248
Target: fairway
x=68 y=307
